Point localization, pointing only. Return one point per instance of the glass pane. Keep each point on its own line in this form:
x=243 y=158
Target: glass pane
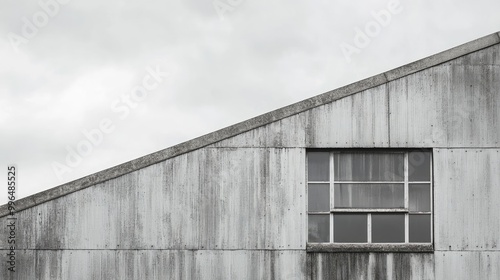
x=420 y=197
x=419 y=166
x=388 y=228
x=369 y=195
x=350 y=228
x=319 y=197
x=420 y=228
x=369 y=167
x=319 y=166
x=319 y=228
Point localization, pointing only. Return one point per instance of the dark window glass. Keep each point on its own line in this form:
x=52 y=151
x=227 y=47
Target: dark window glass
x=419 y=166
x=350 y=228
x=318 y=166
x=369 y=166
x=369 y=195
x=319 y=198
x=420 y=197
x=388 y=228
x=319 y=228
x=420 y=228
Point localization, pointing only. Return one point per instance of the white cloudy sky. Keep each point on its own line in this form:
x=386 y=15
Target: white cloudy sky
x=263 y=55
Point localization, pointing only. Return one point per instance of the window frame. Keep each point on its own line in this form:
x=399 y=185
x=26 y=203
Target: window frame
x=412 y=246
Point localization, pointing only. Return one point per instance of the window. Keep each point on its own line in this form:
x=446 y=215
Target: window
x=369 y=196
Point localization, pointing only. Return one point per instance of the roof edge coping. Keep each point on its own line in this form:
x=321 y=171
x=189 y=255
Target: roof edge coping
x=436 y=59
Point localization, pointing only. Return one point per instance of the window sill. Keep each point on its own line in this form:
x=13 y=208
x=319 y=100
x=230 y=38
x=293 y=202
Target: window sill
x=367 y=248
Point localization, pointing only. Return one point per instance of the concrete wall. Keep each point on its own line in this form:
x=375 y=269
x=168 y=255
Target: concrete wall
x=213 y=213
x=237 y=209
x=371 y=266
x=158 y=264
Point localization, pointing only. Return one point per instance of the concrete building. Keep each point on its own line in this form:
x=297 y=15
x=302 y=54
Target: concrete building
x=393 y=177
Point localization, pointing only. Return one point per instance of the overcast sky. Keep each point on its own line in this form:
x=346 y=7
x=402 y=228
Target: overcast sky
x=152 y=74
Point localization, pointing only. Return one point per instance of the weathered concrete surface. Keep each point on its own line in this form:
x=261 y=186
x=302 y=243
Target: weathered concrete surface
x=159 y=264
x=371 y=266
x=466 y=199
x=206 y=199
x=466 y=265
x=25 y=265
x=450 y=105
x=289 y=132
x=360 y=120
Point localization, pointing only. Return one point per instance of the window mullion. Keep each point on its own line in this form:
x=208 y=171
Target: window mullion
x=332 y=180
x=331 y=228
x=407 y=232
x=406 y=180
x=406 y=195
x=332 y=195
x=369 y=228
x=431 y=196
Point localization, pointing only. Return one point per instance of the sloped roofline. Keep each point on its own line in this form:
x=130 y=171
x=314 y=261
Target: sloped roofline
x=252 y=123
